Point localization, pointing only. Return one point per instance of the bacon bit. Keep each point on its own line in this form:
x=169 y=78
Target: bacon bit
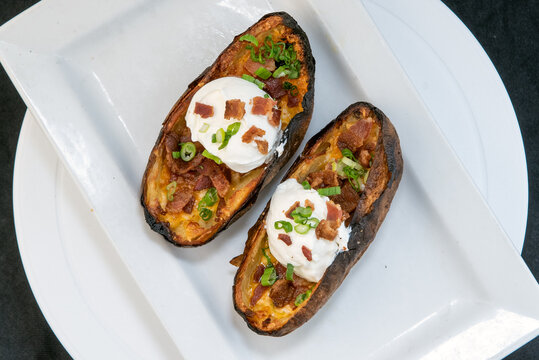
x=274 y=87
x=325 y=230
x=203 y=182
x=293 y=101
x=347 y=199
x=282 y=292
x=275 y=118
x=322 y=179
x=334 y=212
x=288 y=214
x=262 y=146
x=285 y=238
x=234 y=109
x=188 y=208
x=261 y=105
x=252 y=66
x=258 y=273
x=217 y=176
x=364 y=158
x=205 y=111
x=355 y=136
x=281 y=270
x=181 y=198
x=307 y=252
x=251 y=134
x=257 y=293
x=308 y=203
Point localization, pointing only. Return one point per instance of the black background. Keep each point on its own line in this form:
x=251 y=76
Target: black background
x=509 y=32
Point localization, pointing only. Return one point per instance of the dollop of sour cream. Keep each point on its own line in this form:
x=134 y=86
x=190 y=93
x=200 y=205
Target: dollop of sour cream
x=323 y=251
x=237 y=155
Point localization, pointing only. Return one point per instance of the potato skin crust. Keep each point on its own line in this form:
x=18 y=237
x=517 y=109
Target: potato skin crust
x=366 y=221
x=292 y=135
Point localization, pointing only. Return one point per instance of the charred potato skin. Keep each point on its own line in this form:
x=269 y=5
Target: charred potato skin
x=365 y=223
x=292 y=135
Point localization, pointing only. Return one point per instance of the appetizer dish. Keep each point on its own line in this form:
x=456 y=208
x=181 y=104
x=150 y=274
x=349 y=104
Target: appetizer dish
x=319 y=222
x=227 y=136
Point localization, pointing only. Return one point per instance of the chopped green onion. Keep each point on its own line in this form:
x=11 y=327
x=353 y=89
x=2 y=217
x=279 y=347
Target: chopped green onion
x=287 y=85
x=285 y=225
x=213 y=138
x=248 y=78
x=231 y=130
x=205 y=214
x=263 y=73
x=281 y=71
x=303 y=211
x=302 y=229
x=306 y=185
x=188 y=151
x=219 y=136
x=204 y=128
x=298 y=219
x=294 y=91
x=209 y=198
x=176 y=154
x=171 y=189
x=349 y=154
x=207 y=154
x=289 y=272
x=266 y=96
x=312 y=222
x=302 y=297
x=257 y=82
x=268 y=259
x=250 y=38
x=349 y=162
x=329 y=191
x=269 y=277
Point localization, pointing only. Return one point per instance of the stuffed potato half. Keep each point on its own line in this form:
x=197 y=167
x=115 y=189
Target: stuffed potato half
x=254 y=102
x=353 y=167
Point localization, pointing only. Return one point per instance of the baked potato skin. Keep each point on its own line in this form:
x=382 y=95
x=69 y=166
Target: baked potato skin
x=366 y=220
x=293 y=134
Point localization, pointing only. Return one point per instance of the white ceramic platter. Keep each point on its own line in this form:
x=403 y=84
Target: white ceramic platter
x=440 y=280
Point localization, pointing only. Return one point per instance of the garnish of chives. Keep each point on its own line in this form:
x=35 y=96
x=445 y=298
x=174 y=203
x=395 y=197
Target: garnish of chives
x=269 y=276
x=285 y=225
x=257 y=82
x=171 y=189
x=204 y=128
x=329 y=191
x=219 y=136
x=209 y=198
x=302 y=229
x=280 y=71
x=210 y=156
x=188 y=151
x=231 y=130
x=176 y=154
x=289 y=272
x=312 y=222
x=302 y=297
x=268 y=259
x=306 y=185
x=205 y=214
x=250 y=38
x=263 y=73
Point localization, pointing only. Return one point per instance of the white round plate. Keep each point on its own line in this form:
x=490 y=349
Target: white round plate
x=91 y=301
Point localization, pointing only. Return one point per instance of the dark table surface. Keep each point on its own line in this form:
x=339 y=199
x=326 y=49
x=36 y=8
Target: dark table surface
x=508 y=31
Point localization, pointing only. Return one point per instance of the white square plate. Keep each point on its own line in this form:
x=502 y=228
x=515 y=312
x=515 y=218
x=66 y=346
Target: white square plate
x=441 y=279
